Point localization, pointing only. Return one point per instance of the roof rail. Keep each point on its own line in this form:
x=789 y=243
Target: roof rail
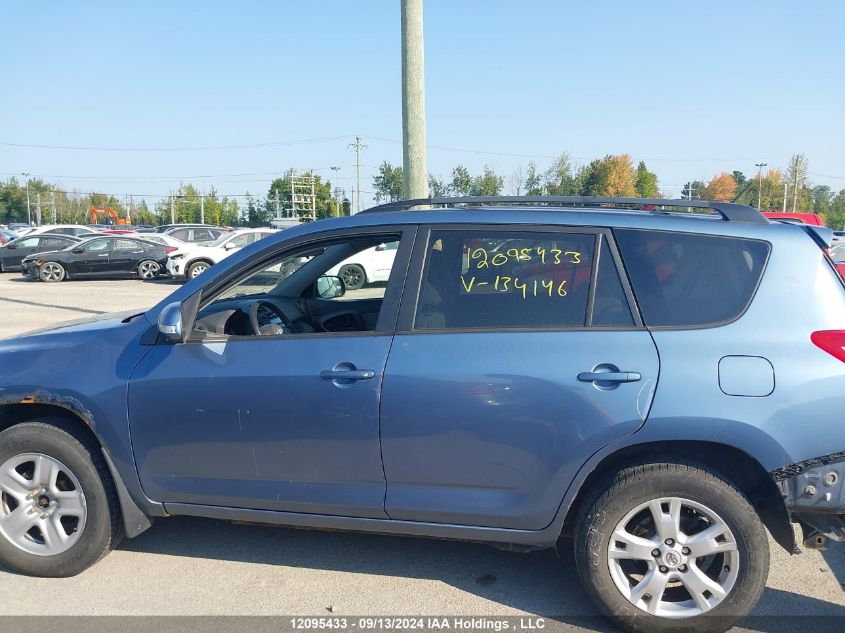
x=729 y=211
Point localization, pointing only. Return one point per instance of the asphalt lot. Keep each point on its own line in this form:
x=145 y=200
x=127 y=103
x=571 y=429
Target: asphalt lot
x=185 y=566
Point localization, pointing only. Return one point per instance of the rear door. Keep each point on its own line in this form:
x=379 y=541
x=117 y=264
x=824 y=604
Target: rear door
x=125 y=255
x=518 y=354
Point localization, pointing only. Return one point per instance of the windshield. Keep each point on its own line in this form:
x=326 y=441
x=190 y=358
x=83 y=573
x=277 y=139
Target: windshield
x=220 y=239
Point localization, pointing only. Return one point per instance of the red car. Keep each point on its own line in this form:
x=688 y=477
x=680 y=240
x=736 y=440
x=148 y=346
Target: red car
x=800 y=218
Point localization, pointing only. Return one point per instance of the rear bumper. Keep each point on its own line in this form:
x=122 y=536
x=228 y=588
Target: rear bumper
x=814 y=494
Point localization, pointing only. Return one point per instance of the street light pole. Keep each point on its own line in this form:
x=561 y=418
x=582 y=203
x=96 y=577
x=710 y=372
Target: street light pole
x=336 y=169
x=28 y=208
x=759 y=167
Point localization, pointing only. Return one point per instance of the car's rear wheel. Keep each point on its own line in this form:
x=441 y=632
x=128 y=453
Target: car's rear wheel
x=196 y=269
x=51 y=272
x=148 y=269
x=671 y=547
x=59 y=512
x=353 y=276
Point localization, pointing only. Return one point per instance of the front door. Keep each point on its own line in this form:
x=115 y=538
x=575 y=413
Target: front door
x=272 y=404
x=519 y=357
x=92 y=256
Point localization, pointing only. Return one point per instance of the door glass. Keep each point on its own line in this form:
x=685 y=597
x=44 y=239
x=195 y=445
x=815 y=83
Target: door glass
x=494 y=279
x=97 y=245
x=31 y=242
x=51 y=243
x=126 y=245
x=329 y=287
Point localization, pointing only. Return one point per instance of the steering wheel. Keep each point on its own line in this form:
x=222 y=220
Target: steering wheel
x=268 y=328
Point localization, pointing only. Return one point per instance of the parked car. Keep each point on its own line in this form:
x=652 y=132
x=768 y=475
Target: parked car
x=799 y=218
x=163 y=228
x=106 y=255
x=169 y=242
x=192 y=260
x=369 y=266
x=837 y=254
x=17 y=249
x=6 y=236
x=63 y=229
x=614 y=375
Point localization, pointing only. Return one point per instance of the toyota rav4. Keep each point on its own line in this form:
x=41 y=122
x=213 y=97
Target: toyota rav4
x=655 y=379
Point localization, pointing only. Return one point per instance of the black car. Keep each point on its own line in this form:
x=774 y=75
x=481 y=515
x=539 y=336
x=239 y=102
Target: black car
x=13 y=252
x=105 y=256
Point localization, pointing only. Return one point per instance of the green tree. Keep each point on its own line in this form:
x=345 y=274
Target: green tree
x=279 y=196
x=461 y=183
x=489 y=183
x=388 y=183
x=559 y=179
x=437 y=188
x=533 y=181
x=693 y=190
x=646 y=182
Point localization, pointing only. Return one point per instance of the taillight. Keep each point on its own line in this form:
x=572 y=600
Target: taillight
x=170 y=249
x=831 y=341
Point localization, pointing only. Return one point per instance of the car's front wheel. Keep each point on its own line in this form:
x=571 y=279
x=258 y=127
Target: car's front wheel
x=671 y=547
x=59 y=512
x=51 y=272
x=353 y=276
x=196 y=269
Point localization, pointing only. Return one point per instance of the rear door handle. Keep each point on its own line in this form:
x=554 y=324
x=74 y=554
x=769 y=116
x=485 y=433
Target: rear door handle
x=609 y=376
x=347 y=374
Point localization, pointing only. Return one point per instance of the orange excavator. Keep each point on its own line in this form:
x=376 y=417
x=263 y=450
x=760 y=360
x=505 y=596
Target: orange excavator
x=111 y=216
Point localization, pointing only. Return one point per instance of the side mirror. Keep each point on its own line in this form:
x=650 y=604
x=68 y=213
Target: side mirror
x=230 y=245
x=381 y=247
x=170 y=322
x=329 y=287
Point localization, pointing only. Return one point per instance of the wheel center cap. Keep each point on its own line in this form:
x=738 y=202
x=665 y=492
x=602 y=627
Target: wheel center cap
x=673 y=559
x=43 y=501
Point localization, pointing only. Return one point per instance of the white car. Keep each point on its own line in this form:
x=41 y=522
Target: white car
x=191 y=260
x=171 y=244
x=65 y=229
x=369 y=266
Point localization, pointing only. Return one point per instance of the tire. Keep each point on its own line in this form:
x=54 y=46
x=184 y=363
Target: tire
x=148 y=269
x=78 y=496
x=608 y=565
x=353 y=276
x=51 y=272
x=196 y=269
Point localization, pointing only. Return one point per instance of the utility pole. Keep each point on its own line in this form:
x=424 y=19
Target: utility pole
x=28 y=206
x=202 y=209
x=785 y=187
x=172 y=211
x=129 y=210
x=358 y=147
x=336 y=169
x=759 y=167
x=795 y=168
x=414 y=169
x=38 y=209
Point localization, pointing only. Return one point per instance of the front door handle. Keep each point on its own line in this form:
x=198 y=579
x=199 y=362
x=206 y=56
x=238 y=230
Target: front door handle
x=347 y=374
x=609 y=376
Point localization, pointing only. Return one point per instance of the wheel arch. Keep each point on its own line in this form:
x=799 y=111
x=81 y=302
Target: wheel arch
x=204 y=260
x=740 y=468
x=64 y=415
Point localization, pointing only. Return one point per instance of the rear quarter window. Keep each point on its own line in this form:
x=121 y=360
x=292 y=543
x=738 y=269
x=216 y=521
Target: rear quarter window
x=689 y=280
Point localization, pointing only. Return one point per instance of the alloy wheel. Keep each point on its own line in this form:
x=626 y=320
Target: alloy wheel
x=51 y=272
x=148 y=270
x=198 y=269
x=673 y=557
x=42 y=505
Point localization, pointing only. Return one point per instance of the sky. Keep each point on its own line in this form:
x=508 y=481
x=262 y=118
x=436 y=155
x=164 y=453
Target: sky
x=164 y=90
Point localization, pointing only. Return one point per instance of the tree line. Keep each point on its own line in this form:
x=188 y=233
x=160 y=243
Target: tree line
x=187 y=204
x=616 y=175
x=612 y=175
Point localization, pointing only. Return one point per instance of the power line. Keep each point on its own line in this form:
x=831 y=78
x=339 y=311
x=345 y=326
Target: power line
x=179 y=149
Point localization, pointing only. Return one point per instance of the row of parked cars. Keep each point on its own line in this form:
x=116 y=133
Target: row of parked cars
x=54 y=253
x=58 y=252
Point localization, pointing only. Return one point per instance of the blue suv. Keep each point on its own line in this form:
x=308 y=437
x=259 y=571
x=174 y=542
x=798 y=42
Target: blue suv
x=659 y=380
